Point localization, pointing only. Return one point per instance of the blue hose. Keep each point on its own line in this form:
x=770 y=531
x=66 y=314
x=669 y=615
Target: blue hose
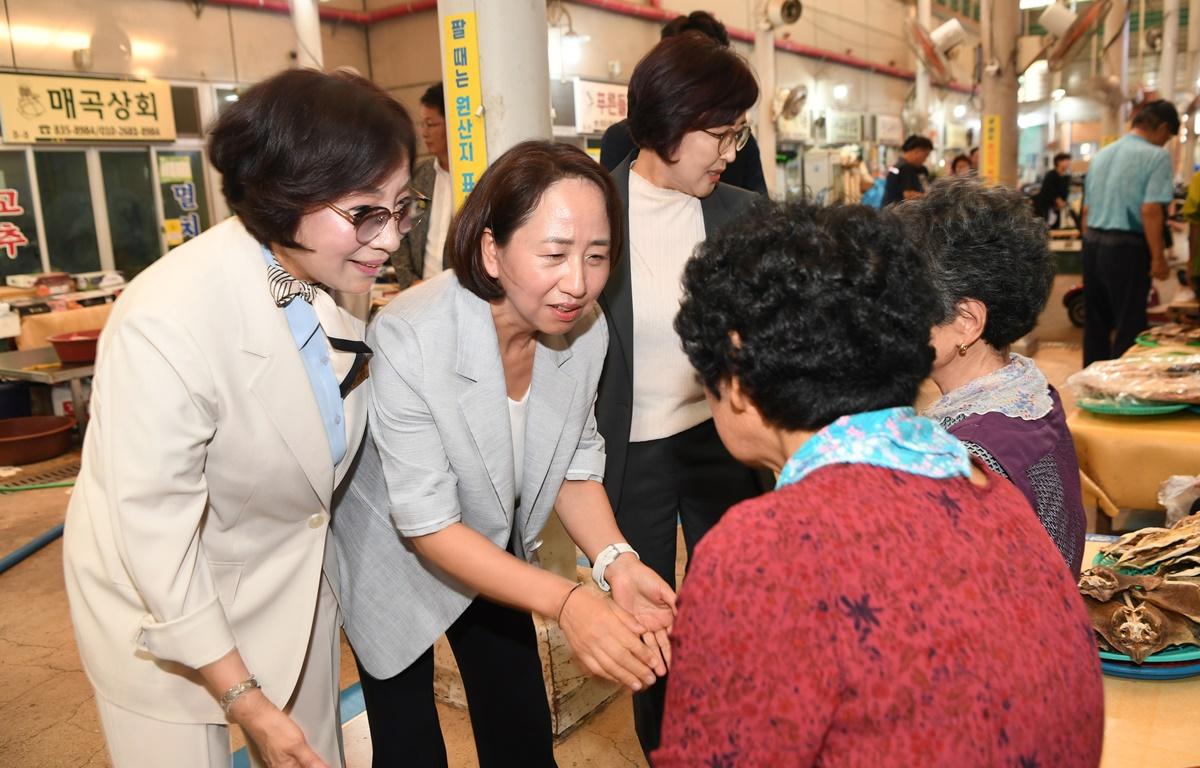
x=19 y=554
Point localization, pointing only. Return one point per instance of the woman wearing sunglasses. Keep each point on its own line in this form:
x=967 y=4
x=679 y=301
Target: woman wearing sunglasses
x=226 y=408
x=687 y=103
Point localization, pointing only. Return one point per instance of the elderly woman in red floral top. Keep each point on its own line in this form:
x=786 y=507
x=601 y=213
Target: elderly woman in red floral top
x=890 y=603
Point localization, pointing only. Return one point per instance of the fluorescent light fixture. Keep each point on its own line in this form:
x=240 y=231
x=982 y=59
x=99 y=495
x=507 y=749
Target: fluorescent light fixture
x=840 y=92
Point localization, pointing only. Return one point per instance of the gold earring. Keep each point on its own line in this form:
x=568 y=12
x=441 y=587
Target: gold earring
x=962 y=349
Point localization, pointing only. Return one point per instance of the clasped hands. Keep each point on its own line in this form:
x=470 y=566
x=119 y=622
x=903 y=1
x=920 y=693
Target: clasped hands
x=624 y=639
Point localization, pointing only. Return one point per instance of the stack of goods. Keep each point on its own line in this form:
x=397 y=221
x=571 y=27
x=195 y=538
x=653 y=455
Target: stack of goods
x=1143 y=595
x=1140 y=385
x=1171 y=335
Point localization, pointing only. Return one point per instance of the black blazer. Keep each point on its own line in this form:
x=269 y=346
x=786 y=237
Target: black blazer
x=614 y=402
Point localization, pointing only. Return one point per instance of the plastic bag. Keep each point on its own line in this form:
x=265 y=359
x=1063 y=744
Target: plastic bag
x=1180 y=495
x=1156 y=378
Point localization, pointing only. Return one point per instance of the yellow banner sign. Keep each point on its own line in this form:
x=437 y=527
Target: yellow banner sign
x=35 y=109
x=989 y=152
x=464 y=105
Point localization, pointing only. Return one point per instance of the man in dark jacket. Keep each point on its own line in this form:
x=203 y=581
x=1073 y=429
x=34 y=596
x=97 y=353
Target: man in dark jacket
x=909 y=177
x=1052 y=197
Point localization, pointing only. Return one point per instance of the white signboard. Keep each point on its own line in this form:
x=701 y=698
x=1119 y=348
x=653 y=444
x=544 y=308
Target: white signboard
x=599 y=105
x=889 y=130
x=843 y=127
x=797 y=128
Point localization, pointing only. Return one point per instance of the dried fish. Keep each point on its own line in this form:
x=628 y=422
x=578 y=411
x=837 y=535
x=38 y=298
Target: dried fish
x=1138 y=614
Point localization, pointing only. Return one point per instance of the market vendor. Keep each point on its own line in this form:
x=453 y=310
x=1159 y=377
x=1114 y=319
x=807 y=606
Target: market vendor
x=992 y=270
x=890 y=603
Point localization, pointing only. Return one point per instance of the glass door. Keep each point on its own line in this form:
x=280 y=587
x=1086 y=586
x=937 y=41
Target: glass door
x=66 y=199
x=132 y=220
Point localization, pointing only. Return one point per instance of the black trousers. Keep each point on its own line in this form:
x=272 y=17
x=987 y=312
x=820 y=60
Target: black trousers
x=496 y=650
x=1116 y=285
x=687 y=479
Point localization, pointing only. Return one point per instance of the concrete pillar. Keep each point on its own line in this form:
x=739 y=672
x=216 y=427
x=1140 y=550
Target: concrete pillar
x=513 y=42
x=308 y=34
x=764 y=64
x=999 y=22
x=921 y=103
x=1170 y=50
x=1116 y=66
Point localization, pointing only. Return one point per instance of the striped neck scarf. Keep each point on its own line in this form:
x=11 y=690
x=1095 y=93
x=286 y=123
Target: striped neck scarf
x=285 y=288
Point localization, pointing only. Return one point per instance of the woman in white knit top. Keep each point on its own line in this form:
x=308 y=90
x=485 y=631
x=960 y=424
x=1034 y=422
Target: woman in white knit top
x=665 y=463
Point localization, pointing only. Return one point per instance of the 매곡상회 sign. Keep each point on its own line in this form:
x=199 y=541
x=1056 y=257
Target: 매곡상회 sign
x=36 y=109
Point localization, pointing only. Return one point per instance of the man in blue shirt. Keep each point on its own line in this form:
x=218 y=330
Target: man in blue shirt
x=1129 y=184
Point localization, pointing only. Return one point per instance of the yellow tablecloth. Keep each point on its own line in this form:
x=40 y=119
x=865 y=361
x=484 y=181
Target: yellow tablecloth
x=1149 y=723
x=1128 y=457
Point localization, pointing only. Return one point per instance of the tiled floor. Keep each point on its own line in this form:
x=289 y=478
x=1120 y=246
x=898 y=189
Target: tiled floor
x=47 y=715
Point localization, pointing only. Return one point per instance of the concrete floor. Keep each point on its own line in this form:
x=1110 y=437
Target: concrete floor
x=47 y=715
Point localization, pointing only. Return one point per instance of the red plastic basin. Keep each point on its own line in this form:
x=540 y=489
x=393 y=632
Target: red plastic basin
x=27 y=439
x=75 y=347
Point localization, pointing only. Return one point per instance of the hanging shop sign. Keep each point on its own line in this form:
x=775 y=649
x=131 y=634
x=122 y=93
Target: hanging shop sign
x=35 y=109
x=989 y=151
x=843 y=127
x=599 y=105
x=956 y=136
x=889 y=130
x=797 y=128
x=464 y=104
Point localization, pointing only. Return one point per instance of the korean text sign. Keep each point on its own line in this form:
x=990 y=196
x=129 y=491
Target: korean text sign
x=465 y=133
x=55 y=109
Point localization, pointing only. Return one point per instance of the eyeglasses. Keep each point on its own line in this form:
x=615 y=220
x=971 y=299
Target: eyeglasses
x=371 y=222
x=734 y=137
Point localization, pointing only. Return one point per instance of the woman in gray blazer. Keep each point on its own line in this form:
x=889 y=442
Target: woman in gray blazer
x=482 y=418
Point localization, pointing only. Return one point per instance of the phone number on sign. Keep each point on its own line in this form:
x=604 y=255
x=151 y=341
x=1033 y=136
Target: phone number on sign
x=98 y=132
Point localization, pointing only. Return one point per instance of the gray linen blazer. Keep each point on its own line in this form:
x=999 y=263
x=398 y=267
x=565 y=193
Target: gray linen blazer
x=440 y=451
x=409 y=259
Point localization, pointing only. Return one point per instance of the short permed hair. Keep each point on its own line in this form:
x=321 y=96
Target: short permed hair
x=303 y=138
x=434 y=97
x=983 y=243
x=688 y=82
x=697 y=21
x=831 y=308
x=507 y=195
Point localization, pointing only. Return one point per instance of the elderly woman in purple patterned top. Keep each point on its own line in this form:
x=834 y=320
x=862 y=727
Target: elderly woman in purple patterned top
x=992 y=268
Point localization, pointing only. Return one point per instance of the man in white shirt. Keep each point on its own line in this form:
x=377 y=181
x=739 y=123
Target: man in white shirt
x=421 y=255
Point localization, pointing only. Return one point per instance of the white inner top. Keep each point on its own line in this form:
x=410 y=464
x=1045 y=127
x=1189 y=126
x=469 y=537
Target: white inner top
x=440 y=209
x=516 y=421
x=664 y=228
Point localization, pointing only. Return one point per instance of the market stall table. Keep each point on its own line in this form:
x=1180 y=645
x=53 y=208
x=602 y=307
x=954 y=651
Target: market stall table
x=1129 y=456
x=1148 y=723
x=42 y=366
